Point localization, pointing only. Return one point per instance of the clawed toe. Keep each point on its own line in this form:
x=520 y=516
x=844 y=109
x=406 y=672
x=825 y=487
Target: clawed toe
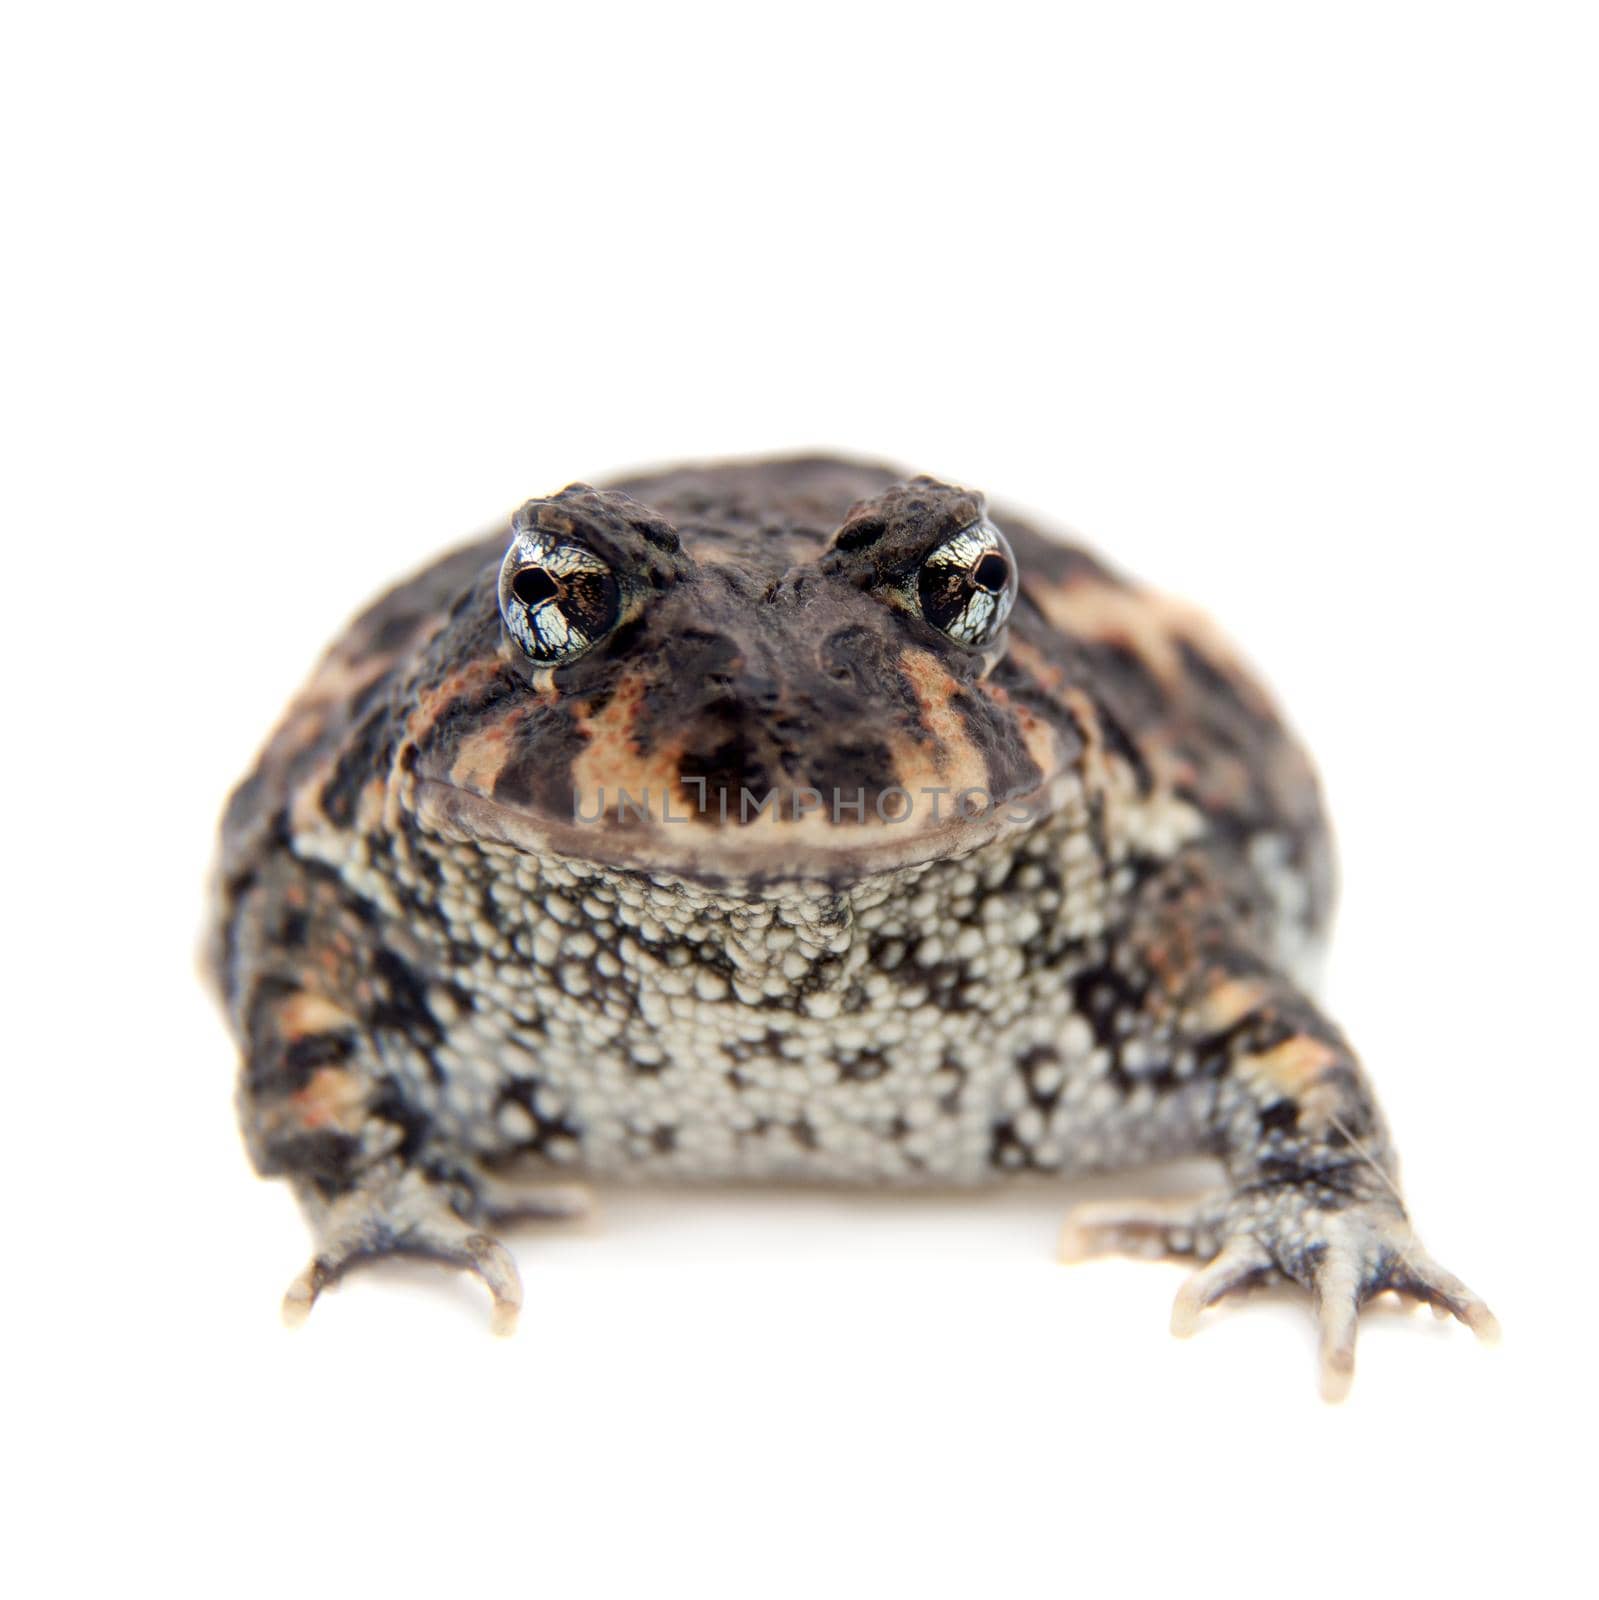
x=1134 y=1228
x=1240 y=1265
x=492 y=1262
x=504 y=1202
x=1417 y=1275
x=302 y=1294
x=1353 y=1270
x=1337 y=1295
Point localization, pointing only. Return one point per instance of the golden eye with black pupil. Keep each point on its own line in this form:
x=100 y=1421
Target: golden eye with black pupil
x=557 y=600
x=967 y=585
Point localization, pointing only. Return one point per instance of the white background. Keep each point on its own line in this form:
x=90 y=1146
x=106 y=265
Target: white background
x=1289 y=308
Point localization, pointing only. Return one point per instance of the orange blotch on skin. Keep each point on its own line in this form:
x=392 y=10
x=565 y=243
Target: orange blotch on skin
x=436 y=702
x=1151 y=625
x=306 y=1013
x=1296 y=1069
x=612 y=761
x=333 y=1098
x=481 y=757
x=1229 y=1002
x=949 y=758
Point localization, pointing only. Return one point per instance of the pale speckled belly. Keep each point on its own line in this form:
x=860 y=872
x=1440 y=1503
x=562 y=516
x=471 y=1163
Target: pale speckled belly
x=916 y=1028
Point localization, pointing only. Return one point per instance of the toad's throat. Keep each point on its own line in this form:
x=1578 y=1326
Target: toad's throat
x=714 y=835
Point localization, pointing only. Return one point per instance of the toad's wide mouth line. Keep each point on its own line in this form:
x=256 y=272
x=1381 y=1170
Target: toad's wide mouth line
x=809 y=840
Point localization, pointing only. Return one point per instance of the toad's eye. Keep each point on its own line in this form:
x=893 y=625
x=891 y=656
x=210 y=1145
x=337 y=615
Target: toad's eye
x=967 y=585
x=557 y=600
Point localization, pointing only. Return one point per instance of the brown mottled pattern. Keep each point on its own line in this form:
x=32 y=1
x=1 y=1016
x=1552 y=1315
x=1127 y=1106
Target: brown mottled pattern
x=764 y=664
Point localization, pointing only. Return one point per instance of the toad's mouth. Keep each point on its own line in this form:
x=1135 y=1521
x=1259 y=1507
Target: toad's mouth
x=796 y=835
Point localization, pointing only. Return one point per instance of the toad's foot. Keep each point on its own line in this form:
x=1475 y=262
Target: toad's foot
x=409 y=1215
x=1344 y=1248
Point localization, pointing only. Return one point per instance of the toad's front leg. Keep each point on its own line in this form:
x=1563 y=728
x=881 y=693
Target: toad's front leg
x=1274 y=1091
x=340 y=1094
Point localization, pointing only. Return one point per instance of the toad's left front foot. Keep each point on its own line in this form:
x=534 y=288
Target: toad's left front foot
x=395 y=1211
x=1344 y=1248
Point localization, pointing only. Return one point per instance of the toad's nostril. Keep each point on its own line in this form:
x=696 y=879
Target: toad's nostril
x=854 y=655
